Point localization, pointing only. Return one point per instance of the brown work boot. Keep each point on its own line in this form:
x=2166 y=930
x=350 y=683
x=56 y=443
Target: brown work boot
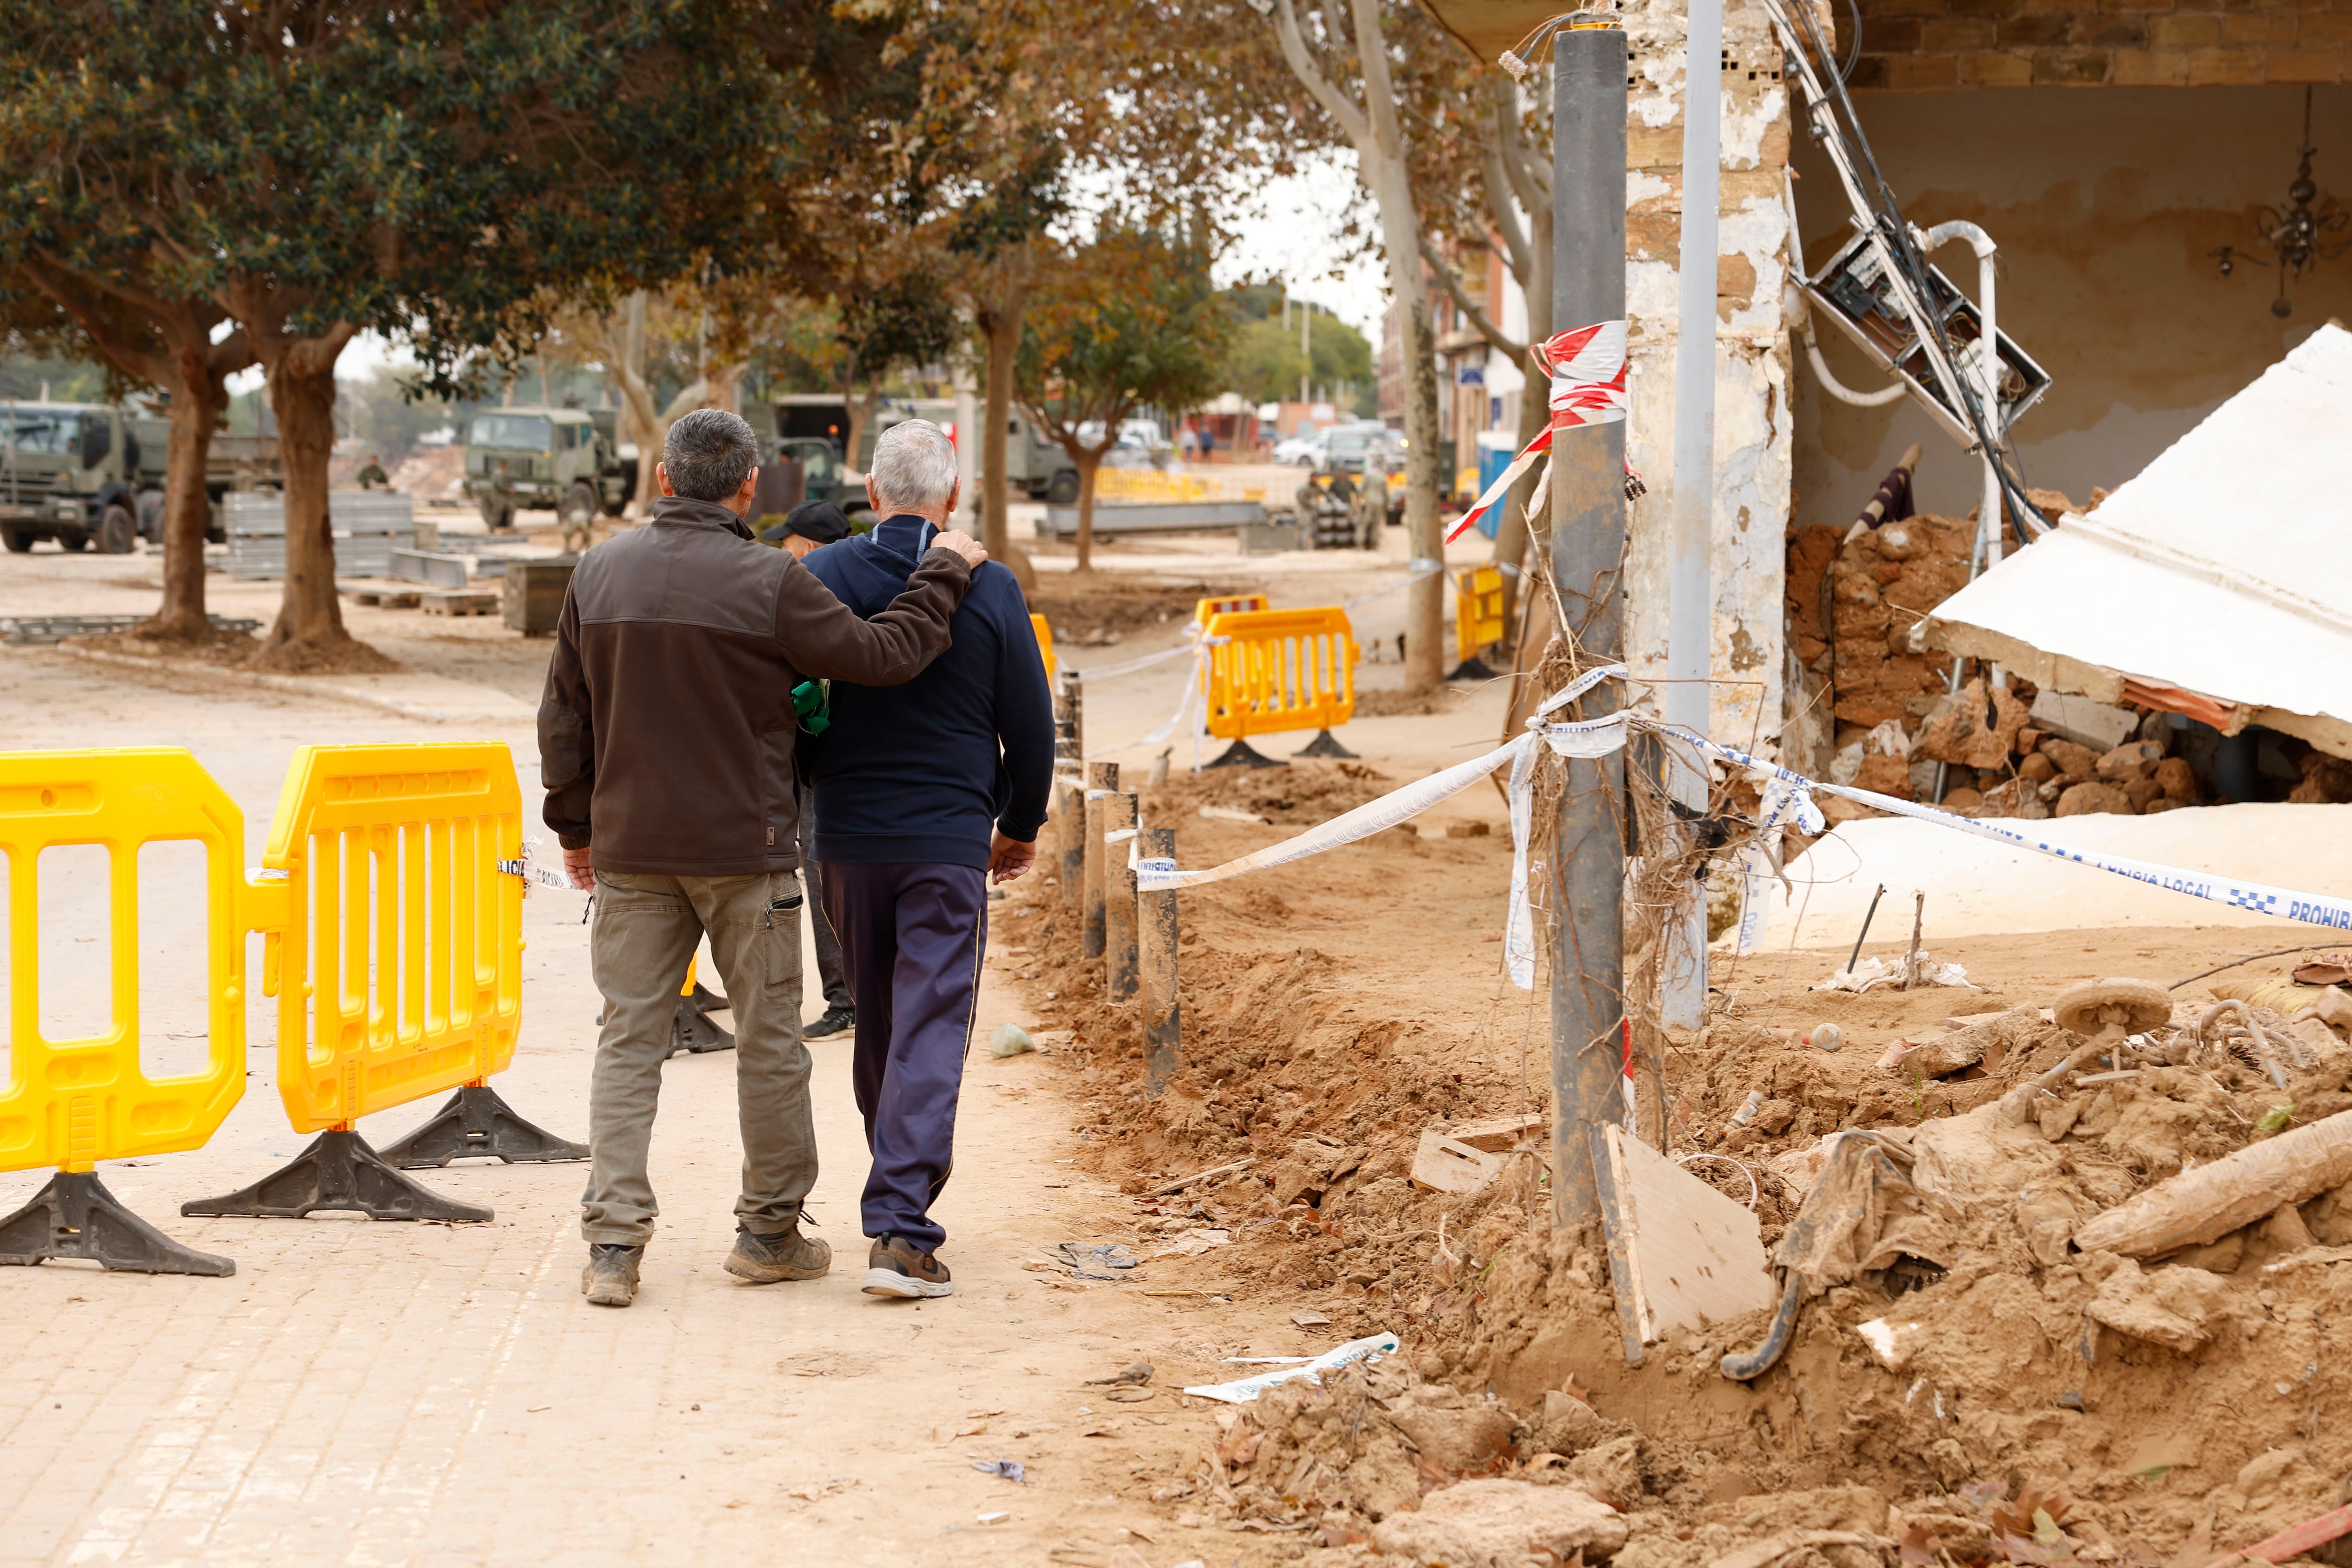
x=610 y=1280
x=786 y=1255
x=896 y=1267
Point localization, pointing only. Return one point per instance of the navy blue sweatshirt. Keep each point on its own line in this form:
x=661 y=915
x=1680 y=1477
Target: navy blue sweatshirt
x=923 y=771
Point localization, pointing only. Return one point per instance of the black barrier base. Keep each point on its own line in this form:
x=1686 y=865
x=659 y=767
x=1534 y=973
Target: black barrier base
x=475 y=1122
x=1472 y=668
x=1325 y=744
x=1241 y=754
x=76 y=1217
x=692 y=1028
x=337 y=1171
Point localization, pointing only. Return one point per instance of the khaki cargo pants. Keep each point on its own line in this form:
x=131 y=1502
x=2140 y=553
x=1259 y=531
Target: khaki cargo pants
x=643 y=934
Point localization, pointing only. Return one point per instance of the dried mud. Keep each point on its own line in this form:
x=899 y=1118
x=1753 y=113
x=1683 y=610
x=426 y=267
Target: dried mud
x=1336 y=1009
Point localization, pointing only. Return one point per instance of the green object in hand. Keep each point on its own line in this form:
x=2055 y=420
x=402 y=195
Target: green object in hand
x=810 y=706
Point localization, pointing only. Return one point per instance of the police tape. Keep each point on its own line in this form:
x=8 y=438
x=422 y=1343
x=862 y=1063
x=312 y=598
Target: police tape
x=1389 y=809
x=2259 y=898
x=1416 y=569
x=1787 y=798
x=1183 y=706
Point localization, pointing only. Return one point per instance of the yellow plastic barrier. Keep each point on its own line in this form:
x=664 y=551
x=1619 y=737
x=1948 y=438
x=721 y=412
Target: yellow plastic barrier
x=1158 y=484
x=72 y=1102
x=413 y=950
x=1265 y=671
x=401 y=975
x=1044 y=644
x=1208 y=610
x=1477 y=610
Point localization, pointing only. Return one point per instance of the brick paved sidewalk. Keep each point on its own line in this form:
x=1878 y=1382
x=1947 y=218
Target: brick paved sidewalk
x=384 y=1393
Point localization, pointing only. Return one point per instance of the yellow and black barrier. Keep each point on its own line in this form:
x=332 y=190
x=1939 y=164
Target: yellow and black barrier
x=70 y=1103
x=1207 y=610
x=393 y=947
x=1477 y=617
x=398 y=975
x=1267 y=671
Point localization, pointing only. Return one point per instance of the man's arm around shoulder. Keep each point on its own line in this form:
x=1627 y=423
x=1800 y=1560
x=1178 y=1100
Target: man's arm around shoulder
x=822 y=637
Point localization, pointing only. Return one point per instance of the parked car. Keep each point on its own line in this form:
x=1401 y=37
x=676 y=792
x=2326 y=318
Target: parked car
x=1355 y=449
x=1302 y=451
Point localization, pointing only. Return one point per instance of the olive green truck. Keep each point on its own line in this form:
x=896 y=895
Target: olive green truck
x=88 y=474
x=563 y=460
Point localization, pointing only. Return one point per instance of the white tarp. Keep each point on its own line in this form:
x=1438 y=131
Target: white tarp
x=2221 y=569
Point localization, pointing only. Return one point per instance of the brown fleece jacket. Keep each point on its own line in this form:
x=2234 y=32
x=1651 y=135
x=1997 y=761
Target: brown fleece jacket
x=666 y=734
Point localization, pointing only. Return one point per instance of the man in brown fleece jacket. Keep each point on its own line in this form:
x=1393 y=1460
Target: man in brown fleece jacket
x=666 y=741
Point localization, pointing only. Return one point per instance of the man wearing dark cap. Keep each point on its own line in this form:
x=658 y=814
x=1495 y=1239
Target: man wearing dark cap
x=811 y=526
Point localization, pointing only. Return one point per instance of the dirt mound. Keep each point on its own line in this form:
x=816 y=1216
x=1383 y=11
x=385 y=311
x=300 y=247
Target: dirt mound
x=2013 y=1397
x=1302 y=793
x=238 y=650
x=1101 y=610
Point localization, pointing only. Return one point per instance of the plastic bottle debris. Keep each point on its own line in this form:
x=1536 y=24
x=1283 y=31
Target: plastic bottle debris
x=1010 y=1040
x=1826 y=1037
x=1746 y=1112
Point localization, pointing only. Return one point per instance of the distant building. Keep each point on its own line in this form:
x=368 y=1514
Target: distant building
x=1478 y=385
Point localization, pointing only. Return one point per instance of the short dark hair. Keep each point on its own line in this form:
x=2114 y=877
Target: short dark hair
x=707 y=453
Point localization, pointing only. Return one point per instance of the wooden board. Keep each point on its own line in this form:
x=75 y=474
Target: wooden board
x=1465 y=1158
x=381 y=596
x=459 y=601
x=1682 y=1255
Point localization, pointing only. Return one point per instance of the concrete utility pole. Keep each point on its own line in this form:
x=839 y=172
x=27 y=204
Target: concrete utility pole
x=1690 y=632
x=1587 y=525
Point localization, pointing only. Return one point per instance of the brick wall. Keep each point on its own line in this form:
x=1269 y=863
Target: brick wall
x=1929 y=46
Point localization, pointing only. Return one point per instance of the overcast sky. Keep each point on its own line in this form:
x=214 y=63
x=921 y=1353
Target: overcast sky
x=1294 y=230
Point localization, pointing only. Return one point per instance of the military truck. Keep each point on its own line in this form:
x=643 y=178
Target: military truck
x=82 y=474
x=1035 y=465
x=566 y=460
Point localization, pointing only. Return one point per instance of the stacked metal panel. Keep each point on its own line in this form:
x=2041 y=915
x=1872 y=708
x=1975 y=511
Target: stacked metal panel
x=368 y=526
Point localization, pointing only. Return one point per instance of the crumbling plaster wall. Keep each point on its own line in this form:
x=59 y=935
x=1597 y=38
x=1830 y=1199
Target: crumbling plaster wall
x=1754 y=429
x=2106 y=205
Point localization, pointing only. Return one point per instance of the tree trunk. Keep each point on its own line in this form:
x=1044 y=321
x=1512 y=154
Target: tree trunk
x=1424 y=661
x=1089 y=463
x=309 y=630
x=722 y=388
x=197 y=399
x=863 y=412
x=1001 y=325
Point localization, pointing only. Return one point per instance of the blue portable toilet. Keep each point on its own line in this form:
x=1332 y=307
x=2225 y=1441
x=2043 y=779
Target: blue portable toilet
x=1494 y=455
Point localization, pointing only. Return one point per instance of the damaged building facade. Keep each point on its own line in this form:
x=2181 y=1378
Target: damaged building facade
x=2113 y=153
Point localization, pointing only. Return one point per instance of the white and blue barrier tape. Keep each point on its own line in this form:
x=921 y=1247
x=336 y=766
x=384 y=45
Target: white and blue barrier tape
x=1787 y=796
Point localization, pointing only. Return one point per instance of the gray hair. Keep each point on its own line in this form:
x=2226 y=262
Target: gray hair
x=914 y=466
x=707 y=453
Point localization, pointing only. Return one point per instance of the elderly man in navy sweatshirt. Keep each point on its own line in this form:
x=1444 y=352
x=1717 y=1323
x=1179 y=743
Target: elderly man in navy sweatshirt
x=924 y=793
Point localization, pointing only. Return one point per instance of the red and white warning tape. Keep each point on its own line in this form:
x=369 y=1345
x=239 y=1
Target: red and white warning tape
x=1587 y=366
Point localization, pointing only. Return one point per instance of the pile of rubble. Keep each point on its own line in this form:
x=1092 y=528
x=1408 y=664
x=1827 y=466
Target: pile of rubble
x=1855 y=600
